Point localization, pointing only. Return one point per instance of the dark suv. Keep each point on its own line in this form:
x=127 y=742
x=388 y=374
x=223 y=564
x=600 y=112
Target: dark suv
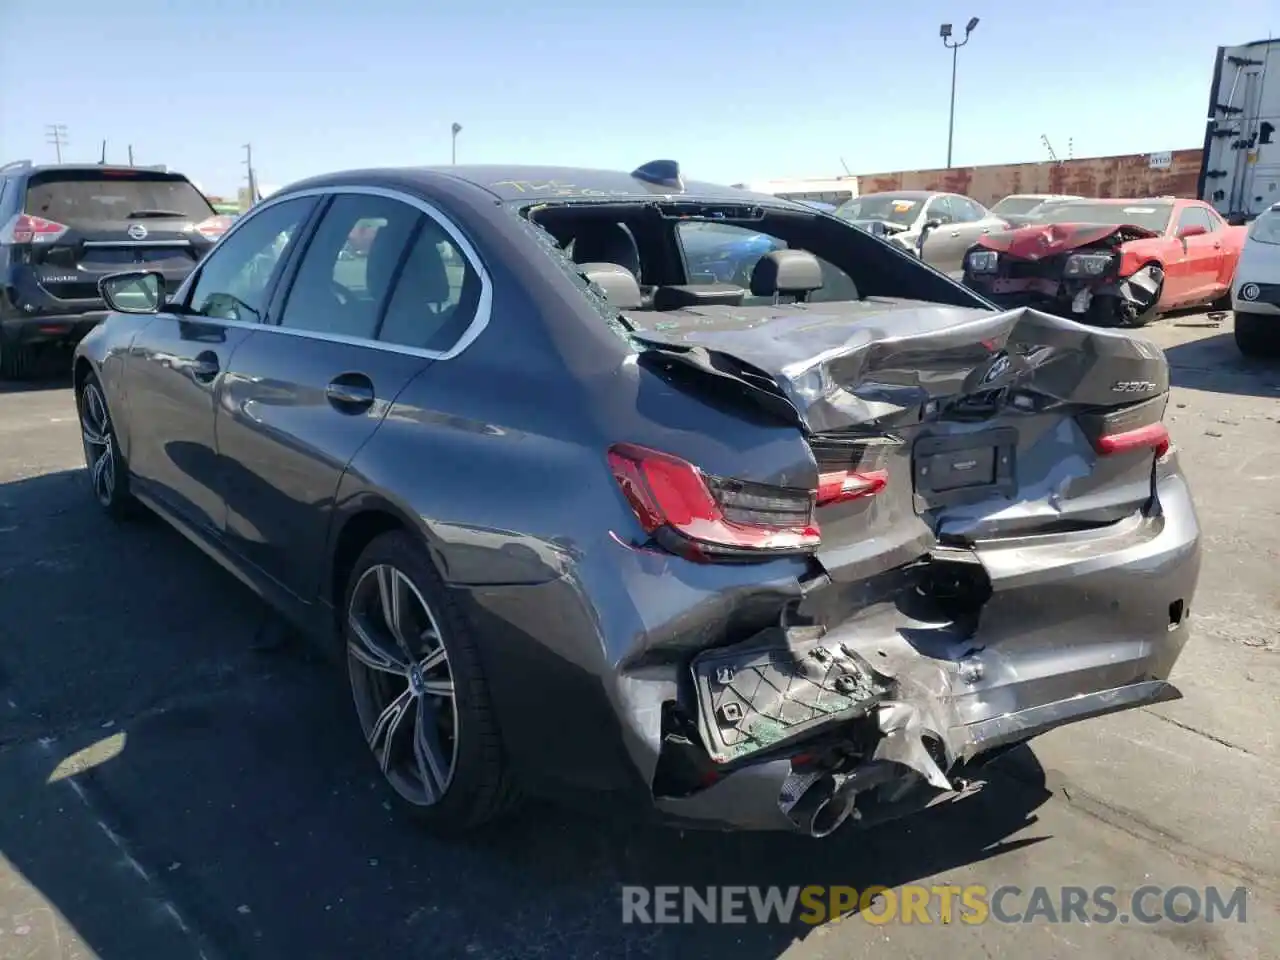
x=64 y=226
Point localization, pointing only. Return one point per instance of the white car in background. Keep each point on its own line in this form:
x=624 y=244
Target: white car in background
x=1019 y=209
x=1255 y=295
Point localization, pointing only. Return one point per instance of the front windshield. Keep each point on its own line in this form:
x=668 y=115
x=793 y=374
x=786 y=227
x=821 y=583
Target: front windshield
x=1017 y=205
x=1149 y=216
x=1266 y=229
x=883 y=206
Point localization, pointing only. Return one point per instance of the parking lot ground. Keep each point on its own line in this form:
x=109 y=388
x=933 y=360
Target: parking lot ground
x=170 y=790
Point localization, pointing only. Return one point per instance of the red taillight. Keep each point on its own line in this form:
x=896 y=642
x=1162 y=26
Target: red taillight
x=214 y=227
x=850 y=485
x=24 y=228
x=1154 y=436
x=706 y=518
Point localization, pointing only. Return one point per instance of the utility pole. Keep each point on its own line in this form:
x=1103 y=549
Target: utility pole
x=954 y=46
x=253 y=179
x=453 y=152
x=56 y=134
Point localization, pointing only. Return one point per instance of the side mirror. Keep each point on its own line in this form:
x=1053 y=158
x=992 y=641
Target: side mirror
x=929 y=226
x=137 y=291
x=1195 y=230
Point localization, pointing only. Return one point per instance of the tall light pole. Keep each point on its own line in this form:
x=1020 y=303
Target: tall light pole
x=453 y=150
x=954 y=45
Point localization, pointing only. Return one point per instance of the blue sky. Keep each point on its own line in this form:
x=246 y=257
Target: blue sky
x=733 y=90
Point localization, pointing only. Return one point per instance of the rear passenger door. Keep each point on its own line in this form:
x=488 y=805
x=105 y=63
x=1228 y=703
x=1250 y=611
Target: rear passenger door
x=382 y=284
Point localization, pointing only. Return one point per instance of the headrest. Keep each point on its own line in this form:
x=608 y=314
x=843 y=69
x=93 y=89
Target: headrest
x=606 y=242
x=786 y=271
x=619 y=284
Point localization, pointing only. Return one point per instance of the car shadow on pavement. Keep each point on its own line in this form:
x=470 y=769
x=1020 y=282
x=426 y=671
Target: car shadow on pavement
x=52 y=371
x=151 y=748
x=1215 y=365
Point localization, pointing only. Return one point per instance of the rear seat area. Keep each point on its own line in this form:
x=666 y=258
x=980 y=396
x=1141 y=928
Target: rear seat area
x=783 y=276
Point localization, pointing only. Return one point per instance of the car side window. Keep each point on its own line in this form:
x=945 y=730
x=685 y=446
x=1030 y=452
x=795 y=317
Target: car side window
x=966 y=210
x=436 y=294
x=940 y=210
x=348 y=266
x=235 y=278
x=1193 y=217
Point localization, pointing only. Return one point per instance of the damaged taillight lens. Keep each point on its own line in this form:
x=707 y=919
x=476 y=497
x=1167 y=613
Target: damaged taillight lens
x=1154 y=436
x=706 y=518
x=843 y=486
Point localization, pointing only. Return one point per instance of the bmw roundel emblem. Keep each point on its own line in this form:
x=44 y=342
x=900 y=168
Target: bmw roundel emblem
x=1249 y=291
x=137 y=231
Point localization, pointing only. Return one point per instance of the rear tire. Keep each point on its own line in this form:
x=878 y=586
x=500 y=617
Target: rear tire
x=108 y=472
x=1257 y=336
x=421 y=698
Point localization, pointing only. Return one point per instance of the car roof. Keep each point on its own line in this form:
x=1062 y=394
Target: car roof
x=24 y=168
x=527 y=184
x=905 y=194
x=1130 y=201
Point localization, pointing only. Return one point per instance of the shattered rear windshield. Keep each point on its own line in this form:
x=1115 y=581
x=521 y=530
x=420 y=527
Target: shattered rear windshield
x=1149 y=216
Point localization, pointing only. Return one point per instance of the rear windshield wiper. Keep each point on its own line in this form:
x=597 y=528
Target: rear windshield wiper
x=142 y=214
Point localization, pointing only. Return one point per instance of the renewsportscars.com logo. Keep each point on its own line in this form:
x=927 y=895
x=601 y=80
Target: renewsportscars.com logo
x=940 y=904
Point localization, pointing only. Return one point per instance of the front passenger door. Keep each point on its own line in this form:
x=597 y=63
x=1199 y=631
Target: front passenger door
x=972 y=223
x=943 y=249
x=176 y=367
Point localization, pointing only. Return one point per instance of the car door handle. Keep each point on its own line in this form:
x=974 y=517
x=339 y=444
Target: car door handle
x=350 y=393
x=204 y=367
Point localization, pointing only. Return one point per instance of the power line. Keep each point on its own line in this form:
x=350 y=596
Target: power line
x=56 y=134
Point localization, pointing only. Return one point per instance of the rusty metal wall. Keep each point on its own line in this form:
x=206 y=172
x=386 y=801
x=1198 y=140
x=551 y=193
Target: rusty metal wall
x=1125 y=176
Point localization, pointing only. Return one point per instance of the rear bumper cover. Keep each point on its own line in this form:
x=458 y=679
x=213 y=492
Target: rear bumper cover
x=1076 y=625
x=30 y=314
x=1075 y=628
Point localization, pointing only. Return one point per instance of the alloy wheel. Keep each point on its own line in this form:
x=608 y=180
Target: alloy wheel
x=99 y=443
x=402 y=684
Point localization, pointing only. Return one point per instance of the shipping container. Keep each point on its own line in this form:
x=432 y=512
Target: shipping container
x=1171 y=173
x=1240 y=174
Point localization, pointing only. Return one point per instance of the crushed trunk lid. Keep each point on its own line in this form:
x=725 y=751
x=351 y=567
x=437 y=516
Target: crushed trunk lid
x=976 y=424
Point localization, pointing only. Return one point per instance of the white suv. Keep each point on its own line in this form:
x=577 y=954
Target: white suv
x=1255 y=294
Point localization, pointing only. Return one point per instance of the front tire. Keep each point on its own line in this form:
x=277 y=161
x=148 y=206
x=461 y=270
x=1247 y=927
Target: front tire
x=1257 y=336
x=108 y=473
x=420 y=694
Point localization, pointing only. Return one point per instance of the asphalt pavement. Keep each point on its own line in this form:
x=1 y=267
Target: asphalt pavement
x=170 y=790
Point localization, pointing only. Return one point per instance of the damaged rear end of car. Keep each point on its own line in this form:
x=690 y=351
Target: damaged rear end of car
x=986 y=537
x=1101 y=274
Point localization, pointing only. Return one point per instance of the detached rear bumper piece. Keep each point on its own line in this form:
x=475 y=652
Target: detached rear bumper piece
x=889 y=710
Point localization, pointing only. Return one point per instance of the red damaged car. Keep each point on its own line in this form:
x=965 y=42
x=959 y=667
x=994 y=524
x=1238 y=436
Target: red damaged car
x=1110 y=262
